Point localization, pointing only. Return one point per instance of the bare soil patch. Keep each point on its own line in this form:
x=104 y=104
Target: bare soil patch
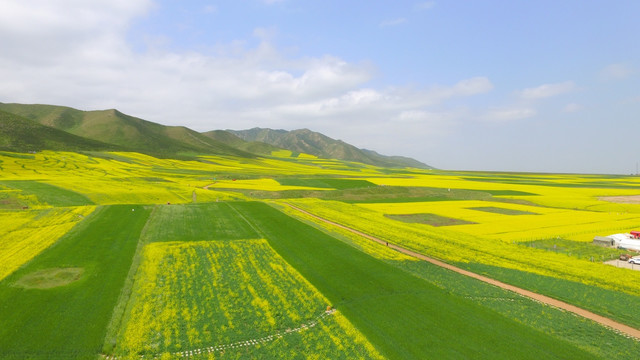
x=631 y=199
x=503 y=211
x=428 y=219
x=49 y=278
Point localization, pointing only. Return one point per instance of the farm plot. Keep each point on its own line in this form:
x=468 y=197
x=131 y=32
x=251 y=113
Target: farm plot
x=402 y=315
x=25 y=234
x=584 y=333
x=491 y=255
x=59 y=304
x=515 y=222
x=328 y=183
x=561 y=191
x=235 y=299
x=197 y=222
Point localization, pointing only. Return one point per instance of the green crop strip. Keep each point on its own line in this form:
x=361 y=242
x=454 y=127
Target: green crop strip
x=69 y=322
x=49 y=194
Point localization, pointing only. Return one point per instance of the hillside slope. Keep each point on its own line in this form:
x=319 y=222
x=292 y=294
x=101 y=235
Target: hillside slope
x=314 y=143
x=114 y=127
x=19 y=134
x=254 y=147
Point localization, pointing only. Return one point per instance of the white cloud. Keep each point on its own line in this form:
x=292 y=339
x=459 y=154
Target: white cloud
x=572 y=108
x=547 y=90
x=210 y=9
x=38 y=30
x=472 y=86
x=393 y=22
x=617 y=72
x=431 y=123
x=501 y=115
x=425 y=5
x=89 y=65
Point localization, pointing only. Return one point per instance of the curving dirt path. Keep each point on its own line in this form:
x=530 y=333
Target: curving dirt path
x=625 y=329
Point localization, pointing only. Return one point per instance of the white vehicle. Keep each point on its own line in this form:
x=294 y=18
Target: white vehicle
x=635 y=260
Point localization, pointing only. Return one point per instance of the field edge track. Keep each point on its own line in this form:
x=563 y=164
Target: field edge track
x=607 y=322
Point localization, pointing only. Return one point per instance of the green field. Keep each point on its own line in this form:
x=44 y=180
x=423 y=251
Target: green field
x=48 y=194
x=210 y=221
x=395 y=309
x=329 y=183
x=69 y=321
x=123 y=254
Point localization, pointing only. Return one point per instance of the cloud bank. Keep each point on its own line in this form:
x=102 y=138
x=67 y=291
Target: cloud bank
x=76 y=53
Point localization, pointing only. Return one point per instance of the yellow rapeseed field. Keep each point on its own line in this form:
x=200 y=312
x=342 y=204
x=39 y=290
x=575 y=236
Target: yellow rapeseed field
x=27 y=233
x=458 y=246
x=542 y=223
x=190 y=296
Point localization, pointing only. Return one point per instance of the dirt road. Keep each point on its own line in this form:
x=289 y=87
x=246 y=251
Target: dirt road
x=625 y=329
x=631 y=199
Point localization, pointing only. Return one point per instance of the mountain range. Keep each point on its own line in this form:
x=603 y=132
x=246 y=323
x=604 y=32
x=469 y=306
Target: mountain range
x=38 y=127
x=314 y=143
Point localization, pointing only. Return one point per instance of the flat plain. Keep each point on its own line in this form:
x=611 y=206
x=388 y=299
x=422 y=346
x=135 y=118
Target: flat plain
x=121 y=255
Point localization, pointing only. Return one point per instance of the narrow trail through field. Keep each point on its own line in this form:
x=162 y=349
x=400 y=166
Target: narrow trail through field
x=238 y=344
x=622 y=328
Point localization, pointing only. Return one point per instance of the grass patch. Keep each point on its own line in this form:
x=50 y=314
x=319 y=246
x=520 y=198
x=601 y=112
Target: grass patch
x=197 y=222
x=17 y=155
x=503 y=211
x=428 y=219
x=576 y=249
x=49 y=278
x=395 y=309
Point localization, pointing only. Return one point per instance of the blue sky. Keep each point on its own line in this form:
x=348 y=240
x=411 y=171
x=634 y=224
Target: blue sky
x=549 y=86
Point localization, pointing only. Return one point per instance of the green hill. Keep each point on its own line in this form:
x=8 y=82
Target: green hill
x=19 y=134
x=255 y=147
x=128 y=132
x=314 y=143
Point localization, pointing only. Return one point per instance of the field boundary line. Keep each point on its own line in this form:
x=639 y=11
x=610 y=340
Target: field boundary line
x=605 y=321
x=258 y=231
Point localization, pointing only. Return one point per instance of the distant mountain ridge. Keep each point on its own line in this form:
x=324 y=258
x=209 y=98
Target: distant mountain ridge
x=40 y=127
x=314 y=143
